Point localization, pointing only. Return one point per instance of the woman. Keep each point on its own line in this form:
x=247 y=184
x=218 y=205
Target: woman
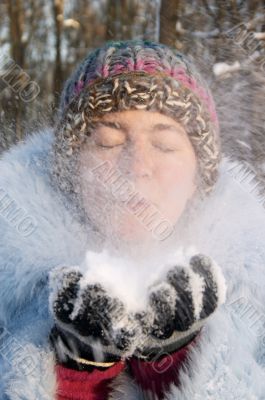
x=114 y=287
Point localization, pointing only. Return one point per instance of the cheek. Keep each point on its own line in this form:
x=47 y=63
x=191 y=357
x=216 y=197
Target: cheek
x=176 y=182
x=178 y=173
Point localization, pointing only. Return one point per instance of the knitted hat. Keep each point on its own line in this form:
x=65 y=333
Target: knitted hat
x=136 y=74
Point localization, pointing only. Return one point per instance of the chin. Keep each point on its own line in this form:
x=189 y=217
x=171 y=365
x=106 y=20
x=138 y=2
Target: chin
x=134 y=233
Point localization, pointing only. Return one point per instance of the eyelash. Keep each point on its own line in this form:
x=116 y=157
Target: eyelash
x=109 y=147
x=164 y=149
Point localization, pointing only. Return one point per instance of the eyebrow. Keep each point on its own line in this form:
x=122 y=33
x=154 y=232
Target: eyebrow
x=162 y=127
x=124 y=127
x=111 y=124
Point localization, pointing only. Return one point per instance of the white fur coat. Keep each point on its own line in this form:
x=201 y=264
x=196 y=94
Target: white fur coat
x=37 y=233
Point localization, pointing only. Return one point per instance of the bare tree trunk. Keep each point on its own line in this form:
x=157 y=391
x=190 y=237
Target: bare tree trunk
x=16 y=28
x=111 y=23
x=151 y=24
x=58 y=7
x=120 y=19
x=169 y=15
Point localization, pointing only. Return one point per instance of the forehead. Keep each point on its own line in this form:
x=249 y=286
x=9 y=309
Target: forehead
x=142 y=118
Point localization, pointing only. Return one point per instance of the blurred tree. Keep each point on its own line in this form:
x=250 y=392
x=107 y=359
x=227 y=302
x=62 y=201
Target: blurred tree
x=58 y=9
x=16 y=28
x=120 y=19
x=169 y=16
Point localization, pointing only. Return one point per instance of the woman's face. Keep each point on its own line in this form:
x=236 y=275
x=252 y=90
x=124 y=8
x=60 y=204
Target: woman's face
x=152 y=154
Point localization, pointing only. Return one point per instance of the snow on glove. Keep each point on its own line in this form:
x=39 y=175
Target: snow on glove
x=88 y=316
x=181 y=304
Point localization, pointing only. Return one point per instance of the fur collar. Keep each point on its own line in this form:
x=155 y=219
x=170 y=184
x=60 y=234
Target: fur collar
x=37 y=233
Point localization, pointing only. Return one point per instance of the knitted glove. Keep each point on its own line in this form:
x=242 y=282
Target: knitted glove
x=88 y=320
x=180 y=305
x=177 y=309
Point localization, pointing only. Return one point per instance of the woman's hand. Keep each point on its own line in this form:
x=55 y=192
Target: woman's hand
x=89 y=317
x=177 y=308
x=180 y=305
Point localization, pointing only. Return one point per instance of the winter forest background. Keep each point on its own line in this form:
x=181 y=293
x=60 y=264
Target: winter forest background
x=41 y=41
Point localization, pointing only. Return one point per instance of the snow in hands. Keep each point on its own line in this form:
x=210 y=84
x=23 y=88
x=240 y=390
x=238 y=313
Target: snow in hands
x=175 y=305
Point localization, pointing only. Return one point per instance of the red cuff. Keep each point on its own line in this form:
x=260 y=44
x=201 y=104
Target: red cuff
x=83 y=385
x=157 y=375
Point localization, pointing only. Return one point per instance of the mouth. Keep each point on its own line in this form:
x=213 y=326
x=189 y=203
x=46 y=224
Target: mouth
x=144 y=202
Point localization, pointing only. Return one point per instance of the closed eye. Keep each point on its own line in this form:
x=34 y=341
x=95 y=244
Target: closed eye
x=109 y=146
x=108 y=138
x=164 y=148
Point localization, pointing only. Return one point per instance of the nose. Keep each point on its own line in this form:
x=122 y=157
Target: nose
x=139 y=161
